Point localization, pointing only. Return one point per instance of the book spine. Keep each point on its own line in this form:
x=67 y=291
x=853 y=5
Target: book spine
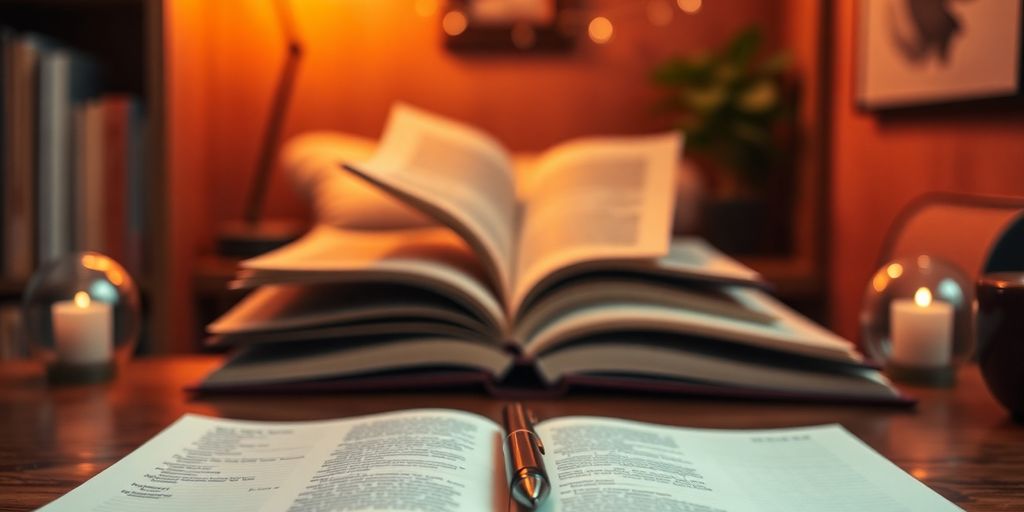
x=90 y=177
x=66 y=78
x=136 y=194
x=55 y=178
x=116 y=114
x=6 y=42
x=20 y=61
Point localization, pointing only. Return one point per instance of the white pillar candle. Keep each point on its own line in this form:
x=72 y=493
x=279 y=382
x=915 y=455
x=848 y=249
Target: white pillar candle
x=921 y=331
x=83 y=330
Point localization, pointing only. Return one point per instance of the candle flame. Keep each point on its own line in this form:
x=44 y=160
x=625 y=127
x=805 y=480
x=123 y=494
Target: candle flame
x=82 y=299
x=923 y=297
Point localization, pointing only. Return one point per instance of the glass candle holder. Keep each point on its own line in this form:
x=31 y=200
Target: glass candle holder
x=82 y=317
x=917 y=319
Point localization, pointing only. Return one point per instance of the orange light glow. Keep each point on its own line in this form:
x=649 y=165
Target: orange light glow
x=454 y=23
x=923 y=297
x=689 y=6
x=116 y=276
x=426 y=8
x=91 y=261
x=600 y=30
x=106 y=265
x=894 y=270
x=879 y=282
x=82 y=299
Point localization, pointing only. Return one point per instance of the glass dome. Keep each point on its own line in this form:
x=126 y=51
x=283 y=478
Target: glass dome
x=82 y=316
x=917 y=318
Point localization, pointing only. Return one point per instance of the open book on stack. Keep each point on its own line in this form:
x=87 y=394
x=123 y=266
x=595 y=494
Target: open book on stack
x=574 y=281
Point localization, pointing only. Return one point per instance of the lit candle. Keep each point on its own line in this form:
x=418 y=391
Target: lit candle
x=83 y=330
x=921 y=331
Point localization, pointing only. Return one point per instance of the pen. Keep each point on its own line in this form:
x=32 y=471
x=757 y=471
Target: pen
x=528 y=479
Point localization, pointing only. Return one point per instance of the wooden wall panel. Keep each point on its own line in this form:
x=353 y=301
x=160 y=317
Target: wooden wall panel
x=186 y=89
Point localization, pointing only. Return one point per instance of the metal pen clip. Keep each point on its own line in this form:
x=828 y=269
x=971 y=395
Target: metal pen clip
x=528 y=480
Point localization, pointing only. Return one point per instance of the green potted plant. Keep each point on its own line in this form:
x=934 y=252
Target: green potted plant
x=733 y=108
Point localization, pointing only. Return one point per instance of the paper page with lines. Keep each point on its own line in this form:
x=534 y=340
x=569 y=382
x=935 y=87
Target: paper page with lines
x=603 y=464
x=432 y=459
x=596 y=200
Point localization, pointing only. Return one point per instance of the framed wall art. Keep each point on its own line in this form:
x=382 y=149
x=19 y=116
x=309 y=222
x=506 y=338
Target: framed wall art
x=510 y=26
x=926 y=52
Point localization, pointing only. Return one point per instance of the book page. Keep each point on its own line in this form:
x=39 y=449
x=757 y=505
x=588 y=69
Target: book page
x=694 y=257
x=601 y=464
x=431 y=459
x=289 y=309
x=712 y=366
x=433 y=258
x=457 y=174
x=597 y=289
x=442 y=460
x=789 y=332
x=597 y=199
x=277 y=364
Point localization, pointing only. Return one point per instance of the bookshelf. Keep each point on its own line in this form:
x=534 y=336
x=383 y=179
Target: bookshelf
x=125 y=37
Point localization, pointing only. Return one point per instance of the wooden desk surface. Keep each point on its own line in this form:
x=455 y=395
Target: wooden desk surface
x=957 y=441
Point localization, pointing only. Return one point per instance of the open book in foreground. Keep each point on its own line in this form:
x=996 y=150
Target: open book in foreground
x=452 y=461
x=573 y=281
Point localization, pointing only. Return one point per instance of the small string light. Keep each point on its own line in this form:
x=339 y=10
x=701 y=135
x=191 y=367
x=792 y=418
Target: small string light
x=600 y=30
x=454 y=23
x=689 y=6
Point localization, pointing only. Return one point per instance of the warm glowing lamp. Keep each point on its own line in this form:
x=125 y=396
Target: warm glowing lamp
x=255 y=234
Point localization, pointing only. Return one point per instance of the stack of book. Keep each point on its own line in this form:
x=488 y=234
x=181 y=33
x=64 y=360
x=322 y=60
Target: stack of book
x=575 y=281
x=71 y=158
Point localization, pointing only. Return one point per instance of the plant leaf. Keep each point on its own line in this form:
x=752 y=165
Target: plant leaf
x=740 y=51
x=759 y=97
x=776 y=64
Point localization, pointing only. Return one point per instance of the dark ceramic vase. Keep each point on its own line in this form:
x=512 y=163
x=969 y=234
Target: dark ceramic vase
x=1000 y=329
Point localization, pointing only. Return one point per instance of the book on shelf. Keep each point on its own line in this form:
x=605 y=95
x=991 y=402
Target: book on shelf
x=574 y=282
x=71 y=169
x=453 y=461
x=20 y=58
x=104 y=167
x=67 y=78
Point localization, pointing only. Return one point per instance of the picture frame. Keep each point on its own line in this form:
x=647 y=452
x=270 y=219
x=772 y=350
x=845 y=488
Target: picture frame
x=510 y=27
x=915 y=53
